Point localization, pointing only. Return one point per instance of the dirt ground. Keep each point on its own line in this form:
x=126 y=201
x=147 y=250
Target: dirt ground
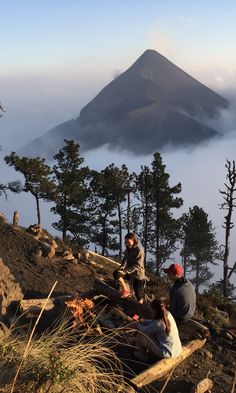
x=36 y=275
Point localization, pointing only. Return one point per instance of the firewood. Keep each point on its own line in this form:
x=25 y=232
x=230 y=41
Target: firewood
x=204 y=386
x=37 y=304
x=161 y=368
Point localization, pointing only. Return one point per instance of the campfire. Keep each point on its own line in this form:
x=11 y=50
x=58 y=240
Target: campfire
x=81 y=311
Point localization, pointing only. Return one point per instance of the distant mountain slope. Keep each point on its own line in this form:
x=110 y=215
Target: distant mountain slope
x=152 y=104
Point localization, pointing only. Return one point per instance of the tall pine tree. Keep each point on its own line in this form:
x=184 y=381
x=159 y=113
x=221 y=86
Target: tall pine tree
x=71 y=193
x=104 y=224
x=165 y=229
x=37 y=177
x=200 y=247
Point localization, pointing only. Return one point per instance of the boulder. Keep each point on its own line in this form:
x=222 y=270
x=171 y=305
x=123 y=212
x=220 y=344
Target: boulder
x=68 y=256
x=48 y=251
x=2 y=217
x=9 y=288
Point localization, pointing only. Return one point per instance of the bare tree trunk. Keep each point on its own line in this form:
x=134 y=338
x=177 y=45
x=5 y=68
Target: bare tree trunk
x=64 y=228
x=120 y=230
x=145 y=234
x=228 y=204
x=104 y=235
x=38 y=209
x=128 y=211
x=197 y=276
x=157 y=242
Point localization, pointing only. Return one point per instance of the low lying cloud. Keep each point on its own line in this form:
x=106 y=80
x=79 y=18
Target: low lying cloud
x=201 y=172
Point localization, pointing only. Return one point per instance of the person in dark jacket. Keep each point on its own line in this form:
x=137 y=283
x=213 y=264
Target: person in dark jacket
x=132 y=269
x=182 y=294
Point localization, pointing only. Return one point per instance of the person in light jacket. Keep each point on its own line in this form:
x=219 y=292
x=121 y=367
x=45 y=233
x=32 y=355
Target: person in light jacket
x=159 y=336
x=132 y=269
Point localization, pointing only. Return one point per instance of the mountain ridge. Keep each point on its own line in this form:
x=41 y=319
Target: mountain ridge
x=153 y=92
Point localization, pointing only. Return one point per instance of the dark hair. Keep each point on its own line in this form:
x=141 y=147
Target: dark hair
x=133 y=237
x=159 y=306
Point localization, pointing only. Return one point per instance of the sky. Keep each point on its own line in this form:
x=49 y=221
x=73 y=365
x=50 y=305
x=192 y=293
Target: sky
x=57 y=55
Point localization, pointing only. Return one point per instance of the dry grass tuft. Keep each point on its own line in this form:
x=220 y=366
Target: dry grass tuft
x=59 y=362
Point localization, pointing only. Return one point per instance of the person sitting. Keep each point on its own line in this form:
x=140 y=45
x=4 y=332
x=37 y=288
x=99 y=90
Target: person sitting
x=159 y=336
x=182 y=294
x=132 y=269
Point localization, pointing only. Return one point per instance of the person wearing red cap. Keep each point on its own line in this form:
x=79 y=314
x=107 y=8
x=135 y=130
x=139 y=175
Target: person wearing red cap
x=182 y=294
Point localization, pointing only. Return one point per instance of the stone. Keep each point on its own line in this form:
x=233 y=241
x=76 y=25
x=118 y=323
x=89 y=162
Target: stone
x=48 y=251
x=228 y=336
x=9 y=288
x=68 y=256
x=207 y=354
x=2 y=217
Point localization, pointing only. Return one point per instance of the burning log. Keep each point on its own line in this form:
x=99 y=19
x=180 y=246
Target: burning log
x=81 y=311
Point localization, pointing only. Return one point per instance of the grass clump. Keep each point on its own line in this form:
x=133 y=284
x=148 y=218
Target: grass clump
x=59 y=362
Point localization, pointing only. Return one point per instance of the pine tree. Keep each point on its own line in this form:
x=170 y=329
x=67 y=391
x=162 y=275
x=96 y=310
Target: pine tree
x=37 y=177
x=165 y=228
x=71 y=193
x=144 y=194
x=200 y=245
x=104 y=224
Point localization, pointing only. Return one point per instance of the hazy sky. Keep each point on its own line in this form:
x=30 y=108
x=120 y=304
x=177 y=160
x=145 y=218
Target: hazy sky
x=57 y=54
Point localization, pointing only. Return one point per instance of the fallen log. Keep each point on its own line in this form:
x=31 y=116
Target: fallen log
x=130 y=305
x=101 y=258
x=204 y=386
x=161 y=368
x=35 y=305
x=193 y=329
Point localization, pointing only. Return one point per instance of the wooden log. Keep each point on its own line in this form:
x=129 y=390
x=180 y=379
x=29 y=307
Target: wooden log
x=192 y=329
x=101 y=258
x=204 y=386
x=15 y=219
x=161 y=368
x=35 y=305
x=130 y=305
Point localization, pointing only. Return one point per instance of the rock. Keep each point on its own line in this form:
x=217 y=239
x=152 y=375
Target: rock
x=207 y=354
x=9 y=288
x=35 y=230
x=2 y=217
x=228 y=336
x=49 y=241
x=85 y=256
x=48 y=251
x=68 y=256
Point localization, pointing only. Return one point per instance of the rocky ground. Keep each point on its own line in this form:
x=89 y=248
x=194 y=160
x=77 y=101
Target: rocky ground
x=26 y=273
